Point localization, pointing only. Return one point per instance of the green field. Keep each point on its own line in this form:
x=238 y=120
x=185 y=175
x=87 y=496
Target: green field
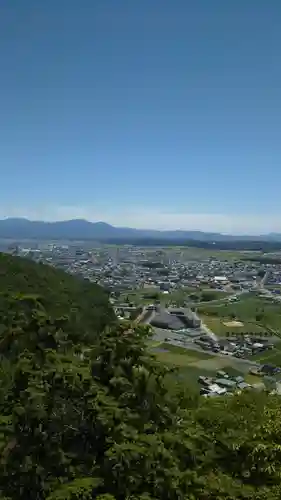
x=256 y=313
x=253 y=379
x=150 y=295
x=186 y=295
x=196 y=253
x=186 y=352
x=191 y=364
x=178 y=356
x=270 y=357
x=190 y=374
x=203 y=254
x=217 y=325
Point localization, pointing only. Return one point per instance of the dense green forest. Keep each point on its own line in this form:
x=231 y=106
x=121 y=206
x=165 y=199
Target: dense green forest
x=97 y=417
x=84 y=303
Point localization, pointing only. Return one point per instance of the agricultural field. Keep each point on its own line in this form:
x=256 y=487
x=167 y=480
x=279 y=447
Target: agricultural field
x=227 y=255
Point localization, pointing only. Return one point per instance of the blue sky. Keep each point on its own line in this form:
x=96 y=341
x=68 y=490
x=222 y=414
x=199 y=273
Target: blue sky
x=147 y=113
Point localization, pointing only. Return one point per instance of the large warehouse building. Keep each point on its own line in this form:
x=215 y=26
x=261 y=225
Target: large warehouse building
x=175 y=319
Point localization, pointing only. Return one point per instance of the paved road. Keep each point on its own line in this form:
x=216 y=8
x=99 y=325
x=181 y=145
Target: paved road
x=264 y=279
x=260 y=284
x=161 y=336
x=145 y=317
x=207 y=331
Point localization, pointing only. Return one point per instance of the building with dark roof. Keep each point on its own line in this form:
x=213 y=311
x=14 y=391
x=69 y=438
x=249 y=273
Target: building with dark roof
x=189 y=318
x=167 y=321
x=175 y=319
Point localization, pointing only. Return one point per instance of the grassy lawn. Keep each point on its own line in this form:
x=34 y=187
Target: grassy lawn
x=185 y=352
x=177 y=353
x=177 y=356
x=153 y=343
x=252 y=379
x=171 y=358
x=215 y=324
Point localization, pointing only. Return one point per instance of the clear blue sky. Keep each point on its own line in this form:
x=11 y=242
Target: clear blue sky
x=153 y=113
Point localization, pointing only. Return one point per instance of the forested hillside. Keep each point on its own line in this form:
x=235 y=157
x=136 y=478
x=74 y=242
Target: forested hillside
x=97 y=417
x=60 y=293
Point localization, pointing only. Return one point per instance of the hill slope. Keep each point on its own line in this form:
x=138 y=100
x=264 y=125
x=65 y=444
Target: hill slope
x=60 y=293
x=107 y=421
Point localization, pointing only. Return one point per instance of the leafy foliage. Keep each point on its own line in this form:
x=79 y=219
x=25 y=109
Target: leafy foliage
x=85 y=304
x=99 y=420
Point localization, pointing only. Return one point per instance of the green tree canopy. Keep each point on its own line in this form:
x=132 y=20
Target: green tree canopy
x=104 y=420
x=84 y=303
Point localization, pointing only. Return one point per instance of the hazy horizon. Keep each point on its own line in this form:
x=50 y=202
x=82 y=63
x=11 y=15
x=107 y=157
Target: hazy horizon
x=217 y=223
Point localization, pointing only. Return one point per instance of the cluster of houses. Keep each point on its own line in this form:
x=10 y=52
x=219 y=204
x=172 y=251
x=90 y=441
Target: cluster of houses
x=225 y=384
x=122 y=268
x=222 y=384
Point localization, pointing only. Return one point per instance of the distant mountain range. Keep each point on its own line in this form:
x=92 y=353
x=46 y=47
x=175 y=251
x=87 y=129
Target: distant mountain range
x=20 y=228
